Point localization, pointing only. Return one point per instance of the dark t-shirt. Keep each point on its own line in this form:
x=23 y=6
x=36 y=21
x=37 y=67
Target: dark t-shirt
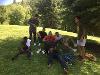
x=23 y=45
x=42 y=34
x=33 y=22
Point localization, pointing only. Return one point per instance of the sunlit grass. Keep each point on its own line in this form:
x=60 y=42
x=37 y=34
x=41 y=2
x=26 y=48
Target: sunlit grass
x=10 y=36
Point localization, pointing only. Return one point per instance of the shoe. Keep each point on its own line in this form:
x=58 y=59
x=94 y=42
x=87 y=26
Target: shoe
x=38 y=51
x=75 y=50
x=31 y=53
x=34 y=44
x=39 y=44
x=65 y=71
x=49 y=66
x=43 y=52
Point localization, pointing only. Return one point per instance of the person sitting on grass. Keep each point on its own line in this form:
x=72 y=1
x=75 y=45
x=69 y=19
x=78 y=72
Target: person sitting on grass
x=24 y=48
x=67 y=52
x=41 y=35
x=52 y=53
x=49 y=40
x=58 y=37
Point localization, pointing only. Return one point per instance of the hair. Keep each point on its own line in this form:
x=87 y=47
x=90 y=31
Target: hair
x=43 y=28
x=24 y=40
x=56 y=32
x=50 y=33
x=78 y=17
x=36 y=15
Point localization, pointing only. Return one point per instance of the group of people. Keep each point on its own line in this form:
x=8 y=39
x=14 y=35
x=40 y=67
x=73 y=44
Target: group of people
x=55 y=46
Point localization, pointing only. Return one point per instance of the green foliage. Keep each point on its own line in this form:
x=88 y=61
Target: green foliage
x=17 y=14
x=2 y=14
x=89 y=12
x=46 y=8
x=9 y=41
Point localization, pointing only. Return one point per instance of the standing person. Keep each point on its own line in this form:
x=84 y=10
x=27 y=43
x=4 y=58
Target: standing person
x=33 y=22
x=81 y=37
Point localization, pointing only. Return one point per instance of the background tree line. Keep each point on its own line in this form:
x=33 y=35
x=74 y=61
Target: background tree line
x=57 y=14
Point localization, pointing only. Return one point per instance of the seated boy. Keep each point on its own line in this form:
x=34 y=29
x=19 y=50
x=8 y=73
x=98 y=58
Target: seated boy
x=24 y=48
x=41 y=35
x=50 y=47
x=58 y=37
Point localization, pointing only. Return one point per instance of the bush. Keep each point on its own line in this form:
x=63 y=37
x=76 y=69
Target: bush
x=17 y=14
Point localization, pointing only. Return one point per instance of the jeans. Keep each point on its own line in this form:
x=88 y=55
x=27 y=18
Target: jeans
x=32 y=32
x=57 y=56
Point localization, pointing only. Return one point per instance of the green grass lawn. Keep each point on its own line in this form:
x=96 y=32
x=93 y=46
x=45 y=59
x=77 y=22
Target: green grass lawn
x=10 y=37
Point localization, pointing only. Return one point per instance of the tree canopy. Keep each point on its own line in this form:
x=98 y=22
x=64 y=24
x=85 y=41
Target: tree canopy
x=57 y=14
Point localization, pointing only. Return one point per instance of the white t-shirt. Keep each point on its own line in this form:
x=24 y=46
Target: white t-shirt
x=58 y=37
x=28 y=43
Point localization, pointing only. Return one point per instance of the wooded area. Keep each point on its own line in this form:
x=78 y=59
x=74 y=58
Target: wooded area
x=57 y=14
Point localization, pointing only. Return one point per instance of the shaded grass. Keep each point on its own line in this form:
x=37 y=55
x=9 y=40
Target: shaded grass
x=10 y=37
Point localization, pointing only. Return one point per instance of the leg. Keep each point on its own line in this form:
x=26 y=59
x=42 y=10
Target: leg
x=50 y=59
x=39 y=40
x=83 y=51
x=30 y=34
x=46 y=47
x=34 y=32
x=62 y=62
x=28 y=54
x=17 y=55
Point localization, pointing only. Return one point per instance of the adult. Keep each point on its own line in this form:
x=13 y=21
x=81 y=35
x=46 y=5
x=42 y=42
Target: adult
x=81 y=37
x=33 y=22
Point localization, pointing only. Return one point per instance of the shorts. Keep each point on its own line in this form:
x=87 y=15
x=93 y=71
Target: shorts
x=81 y=42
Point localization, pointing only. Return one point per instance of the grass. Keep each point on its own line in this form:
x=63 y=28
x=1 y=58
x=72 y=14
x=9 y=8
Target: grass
x=10 y=37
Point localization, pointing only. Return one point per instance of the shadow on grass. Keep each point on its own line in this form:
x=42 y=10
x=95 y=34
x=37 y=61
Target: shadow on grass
x=38 y=65
x=9 y=46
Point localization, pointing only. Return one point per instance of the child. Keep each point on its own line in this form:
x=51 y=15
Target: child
x=24 y=48
x=41 y=35
x=58 y=37
x=49 y=41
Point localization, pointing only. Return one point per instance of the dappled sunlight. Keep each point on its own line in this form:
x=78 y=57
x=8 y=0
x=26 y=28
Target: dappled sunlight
x=9 y=41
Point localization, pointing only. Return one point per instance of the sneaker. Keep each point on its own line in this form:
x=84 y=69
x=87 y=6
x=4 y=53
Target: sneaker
x=49 y=66
x=75 y=50
x=39 y=44
x=31 y=53
x=65 y=71
x=34 y=44
x=43 y=52
x=38 y=51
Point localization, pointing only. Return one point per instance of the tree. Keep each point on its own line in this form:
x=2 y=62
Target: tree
x=17 y=14
x=46 y=8
x=2 y=14
x=88 y=10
